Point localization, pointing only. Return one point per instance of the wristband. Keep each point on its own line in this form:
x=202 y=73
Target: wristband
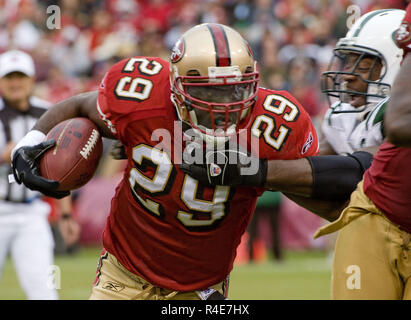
x=260 y=177
x=336 y=177
x=32 y=138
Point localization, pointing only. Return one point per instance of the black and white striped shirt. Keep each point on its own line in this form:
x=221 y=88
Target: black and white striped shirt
x=14 y=124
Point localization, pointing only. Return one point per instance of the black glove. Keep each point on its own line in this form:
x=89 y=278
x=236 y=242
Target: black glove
x=25 y=165
x=229 y=166
x=117 y=151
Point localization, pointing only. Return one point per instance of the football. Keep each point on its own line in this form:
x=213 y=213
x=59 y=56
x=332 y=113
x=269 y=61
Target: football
x=74 y=158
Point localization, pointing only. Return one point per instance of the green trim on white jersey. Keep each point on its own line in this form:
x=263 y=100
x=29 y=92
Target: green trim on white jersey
x=349 y=132
x=377 y=115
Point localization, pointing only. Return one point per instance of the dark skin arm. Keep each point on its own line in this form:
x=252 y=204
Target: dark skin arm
x=397 y=121
x=328 y=210
x=295 y=179
x=290 y=176
x=81 y=105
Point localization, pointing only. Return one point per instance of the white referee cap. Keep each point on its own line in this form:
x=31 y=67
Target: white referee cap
x=16 y=61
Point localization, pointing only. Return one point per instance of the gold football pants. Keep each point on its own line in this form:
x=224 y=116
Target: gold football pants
x=372 y=257
x=114 y=282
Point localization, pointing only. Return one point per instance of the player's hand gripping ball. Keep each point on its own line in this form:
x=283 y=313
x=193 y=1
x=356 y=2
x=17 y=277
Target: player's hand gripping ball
x=74 y=158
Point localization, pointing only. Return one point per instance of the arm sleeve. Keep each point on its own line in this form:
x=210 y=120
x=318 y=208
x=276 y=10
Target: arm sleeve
x=336 y=177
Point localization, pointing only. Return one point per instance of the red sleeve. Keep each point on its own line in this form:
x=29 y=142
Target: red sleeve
x=284 y=128
x=133 y=89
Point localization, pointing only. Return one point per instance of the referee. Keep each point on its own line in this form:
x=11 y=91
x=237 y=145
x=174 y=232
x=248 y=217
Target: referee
x=25 y=232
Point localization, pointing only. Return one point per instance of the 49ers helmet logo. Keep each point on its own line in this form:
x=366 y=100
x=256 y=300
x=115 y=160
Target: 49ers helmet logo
x=178 y=51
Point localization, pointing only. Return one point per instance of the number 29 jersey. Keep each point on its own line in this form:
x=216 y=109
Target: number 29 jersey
x=164 y=225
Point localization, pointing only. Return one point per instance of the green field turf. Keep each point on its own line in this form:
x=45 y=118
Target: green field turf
x=302 y=275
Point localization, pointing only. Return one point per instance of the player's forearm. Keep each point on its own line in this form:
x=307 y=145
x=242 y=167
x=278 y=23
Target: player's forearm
x=326 y=209
x=295 y=179
x=397 y=122
x=81 y=105
x=332 y=177
x=63 y=110
x=292 y=176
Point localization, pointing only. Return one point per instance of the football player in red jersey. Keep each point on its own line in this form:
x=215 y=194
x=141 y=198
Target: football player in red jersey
x=169 y=236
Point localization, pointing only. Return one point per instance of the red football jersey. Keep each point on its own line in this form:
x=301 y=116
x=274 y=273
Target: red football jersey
x=164 y=225
x=388 y=183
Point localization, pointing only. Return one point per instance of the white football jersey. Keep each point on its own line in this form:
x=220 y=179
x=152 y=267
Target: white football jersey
x=349 y=132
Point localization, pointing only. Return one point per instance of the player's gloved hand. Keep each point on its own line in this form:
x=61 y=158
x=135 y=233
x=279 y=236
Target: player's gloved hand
x=228 y=166
x=117 y=151
x=403 y=34
x=25 y=165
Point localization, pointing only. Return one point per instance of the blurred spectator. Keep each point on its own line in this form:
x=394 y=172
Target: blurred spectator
x=71 y=52
x=155 y=15
x=214 y=11
x=187 y=17
x=268 y=50
x=268 y=205
x=100 y=29
x=24 y=33
x=59 y=87
x=41 y=55
x=300 y=46
x=303 y=82
x=152 y=45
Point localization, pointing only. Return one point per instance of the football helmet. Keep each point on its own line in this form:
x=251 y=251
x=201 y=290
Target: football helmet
x=371 y=37
x=214 y=80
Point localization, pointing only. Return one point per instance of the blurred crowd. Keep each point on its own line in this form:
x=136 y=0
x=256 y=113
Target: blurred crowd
x=291 y=40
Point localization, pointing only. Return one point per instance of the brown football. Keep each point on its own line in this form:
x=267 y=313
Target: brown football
x=75 y=157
